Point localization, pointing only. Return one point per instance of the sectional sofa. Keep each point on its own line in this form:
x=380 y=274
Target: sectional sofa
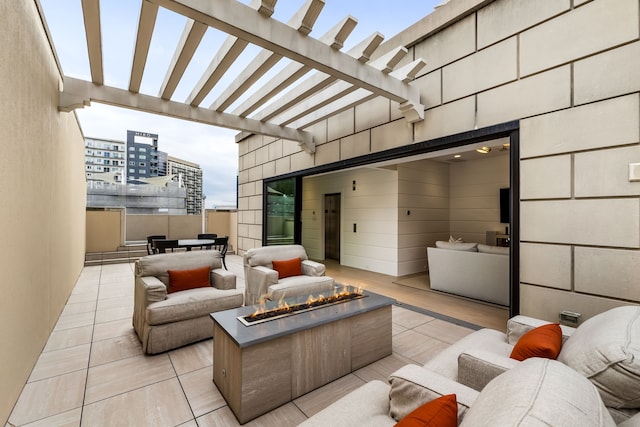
x=595 y=380
x=471 y=270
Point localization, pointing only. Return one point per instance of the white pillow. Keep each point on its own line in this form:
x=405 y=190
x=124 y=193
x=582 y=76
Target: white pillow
x=606 y=350
x=538 y=392
x=469 y=247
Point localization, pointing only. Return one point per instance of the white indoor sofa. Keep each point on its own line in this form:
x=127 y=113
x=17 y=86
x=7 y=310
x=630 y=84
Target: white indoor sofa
x=471 y=270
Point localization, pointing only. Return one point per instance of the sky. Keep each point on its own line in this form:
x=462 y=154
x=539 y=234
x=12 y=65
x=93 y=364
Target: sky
x=213 y=148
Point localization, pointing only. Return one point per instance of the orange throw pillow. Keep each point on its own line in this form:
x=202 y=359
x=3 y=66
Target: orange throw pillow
x=288 y=268
x=181 y=280
x=441 y=412
x=543 y=341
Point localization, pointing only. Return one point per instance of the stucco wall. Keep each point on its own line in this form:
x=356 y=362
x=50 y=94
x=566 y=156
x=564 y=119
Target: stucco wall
x=43 y=197
x=569 y=71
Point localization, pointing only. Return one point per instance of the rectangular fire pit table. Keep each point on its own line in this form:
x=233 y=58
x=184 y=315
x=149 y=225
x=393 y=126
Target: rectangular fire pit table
x=260 y=367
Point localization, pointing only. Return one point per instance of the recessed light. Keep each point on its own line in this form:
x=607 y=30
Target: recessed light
x=483 y=150
x=457 y=156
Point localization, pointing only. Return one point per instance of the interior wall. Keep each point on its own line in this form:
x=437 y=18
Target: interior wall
x=475 y=197
x=423 y=212
x=43 y=197
x=370 y=205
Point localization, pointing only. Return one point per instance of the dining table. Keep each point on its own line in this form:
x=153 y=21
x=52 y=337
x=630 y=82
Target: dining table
x=194 y=243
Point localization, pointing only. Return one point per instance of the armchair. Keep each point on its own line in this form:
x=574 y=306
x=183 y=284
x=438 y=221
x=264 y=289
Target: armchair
x=164 y=320
x=262 y=280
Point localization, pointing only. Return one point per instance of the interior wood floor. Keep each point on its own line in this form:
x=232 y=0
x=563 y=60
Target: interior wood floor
x=414 y=290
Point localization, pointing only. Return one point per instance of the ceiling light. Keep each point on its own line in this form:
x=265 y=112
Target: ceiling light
x=457 y=156
x=483 y=150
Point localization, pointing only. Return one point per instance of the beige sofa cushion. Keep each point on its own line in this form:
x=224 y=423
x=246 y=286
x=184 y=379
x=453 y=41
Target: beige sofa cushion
x=606 y=349
x=157 y=265
x=264 y=255
x=413 y=386
x=539 y=392
x=301 y=286
x=457 y=246
x=192 y=304
x=366 y=406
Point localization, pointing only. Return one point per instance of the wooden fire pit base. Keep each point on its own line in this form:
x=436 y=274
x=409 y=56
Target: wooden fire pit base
x=260 y=367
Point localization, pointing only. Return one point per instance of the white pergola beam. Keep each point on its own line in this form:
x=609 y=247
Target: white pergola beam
x=82 y=93
x=231 y=48
x=357 y=97
x=335 y=38
x=245 y=23
x=338 y=89
x=92 y=28
x=146 y=23
x=294 y=99
x=285 y=78
x=189 y=41
x=332 y=93
x=306 y=17
x=265 y=60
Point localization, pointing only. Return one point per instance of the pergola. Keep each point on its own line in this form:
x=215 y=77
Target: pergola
x=333 y=81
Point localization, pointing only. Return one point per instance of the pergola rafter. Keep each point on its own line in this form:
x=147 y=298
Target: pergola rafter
x=341 y=79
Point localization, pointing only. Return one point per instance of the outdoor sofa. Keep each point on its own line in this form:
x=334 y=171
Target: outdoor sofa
x=595 y=380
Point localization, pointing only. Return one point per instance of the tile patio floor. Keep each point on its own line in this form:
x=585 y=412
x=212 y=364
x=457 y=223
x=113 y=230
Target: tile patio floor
x=92 y=371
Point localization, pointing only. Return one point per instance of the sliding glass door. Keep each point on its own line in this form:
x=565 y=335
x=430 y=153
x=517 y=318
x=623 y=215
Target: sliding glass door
x=282 y=207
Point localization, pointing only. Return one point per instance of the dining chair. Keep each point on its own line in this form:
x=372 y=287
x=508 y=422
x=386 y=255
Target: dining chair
x=221 y=244
x=150 y=248
x=208 y=236
x=162 y=245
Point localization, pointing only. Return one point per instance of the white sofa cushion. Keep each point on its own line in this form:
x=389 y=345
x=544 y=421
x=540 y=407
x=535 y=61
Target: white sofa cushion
x=301 y=286
x=457 y=246
x=365 y=406
x=539 y=392
x=500 y=250
x=606 y=349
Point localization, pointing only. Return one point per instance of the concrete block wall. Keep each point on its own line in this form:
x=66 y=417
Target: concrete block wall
x=569 y=71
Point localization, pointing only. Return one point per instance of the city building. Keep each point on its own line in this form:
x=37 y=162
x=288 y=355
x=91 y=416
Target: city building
x=189 y=176
x=104 y=156
x=143 y=191
x=142 y=155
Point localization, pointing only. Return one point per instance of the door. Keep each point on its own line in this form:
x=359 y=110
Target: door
x=332 y=226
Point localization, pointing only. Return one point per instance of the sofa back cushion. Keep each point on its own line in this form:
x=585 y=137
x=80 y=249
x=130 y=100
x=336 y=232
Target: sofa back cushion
x=606 y=349
x=457 y=246
x=159 y=264
x=265 y=255
x=539 y=392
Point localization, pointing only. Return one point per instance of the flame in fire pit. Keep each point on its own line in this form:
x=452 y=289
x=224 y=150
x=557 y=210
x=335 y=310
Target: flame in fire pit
x=263 y=314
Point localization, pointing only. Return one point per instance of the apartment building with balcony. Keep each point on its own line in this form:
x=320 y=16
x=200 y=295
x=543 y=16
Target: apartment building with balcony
x=104 y=156
x=189 y=176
